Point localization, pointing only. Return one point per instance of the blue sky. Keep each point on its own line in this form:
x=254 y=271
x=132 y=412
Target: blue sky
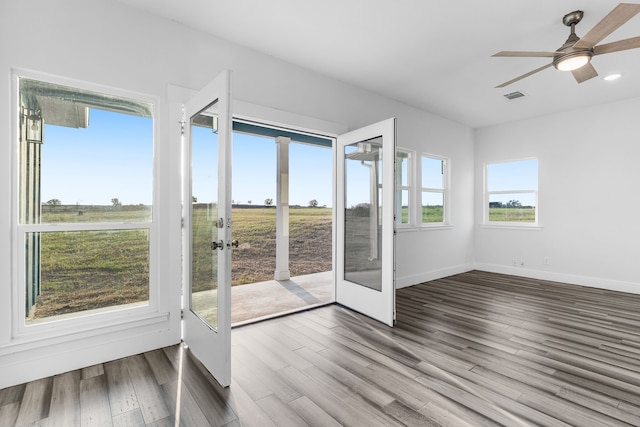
x=254 y=170
x=513 y=176
x=112 y=158
x=516 y=175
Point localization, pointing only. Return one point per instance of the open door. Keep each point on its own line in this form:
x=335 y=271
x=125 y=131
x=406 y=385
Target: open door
x=365 y=273
x=207 y=227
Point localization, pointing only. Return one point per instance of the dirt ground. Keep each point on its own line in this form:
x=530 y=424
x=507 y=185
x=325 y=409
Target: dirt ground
x=309 y=252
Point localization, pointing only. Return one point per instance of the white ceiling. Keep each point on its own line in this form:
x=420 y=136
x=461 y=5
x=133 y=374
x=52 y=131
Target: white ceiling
x=432 y=54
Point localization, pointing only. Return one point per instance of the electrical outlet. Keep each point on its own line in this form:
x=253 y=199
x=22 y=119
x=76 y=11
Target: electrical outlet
x=546 y=261
x=514 y=262
x=521 y=263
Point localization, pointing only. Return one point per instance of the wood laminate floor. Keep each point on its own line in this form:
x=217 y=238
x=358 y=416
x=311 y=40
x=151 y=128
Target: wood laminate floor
x=475 y=349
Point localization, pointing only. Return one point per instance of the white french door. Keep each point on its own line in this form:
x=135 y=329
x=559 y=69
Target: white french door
x=365 y=270
x=207 y=227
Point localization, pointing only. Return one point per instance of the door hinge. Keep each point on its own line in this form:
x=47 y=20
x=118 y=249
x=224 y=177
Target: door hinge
x=182 y=222
x=182 y=314
x=182 y=127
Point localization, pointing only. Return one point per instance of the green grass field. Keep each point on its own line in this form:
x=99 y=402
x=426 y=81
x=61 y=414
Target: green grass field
x=512 y=214
x=82 y=270
x=430 y=214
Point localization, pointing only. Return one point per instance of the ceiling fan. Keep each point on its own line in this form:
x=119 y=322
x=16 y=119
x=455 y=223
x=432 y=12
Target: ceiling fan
x=576 y=53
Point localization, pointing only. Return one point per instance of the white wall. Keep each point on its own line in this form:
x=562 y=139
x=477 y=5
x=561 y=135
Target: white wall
x=429 y=253
x=107 y=43
x=588 y=197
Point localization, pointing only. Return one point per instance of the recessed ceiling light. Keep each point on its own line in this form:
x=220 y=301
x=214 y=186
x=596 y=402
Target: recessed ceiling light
x=612 y=77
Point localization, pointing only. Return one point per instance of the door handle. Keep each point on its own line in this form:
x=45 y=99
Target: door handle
x=217 y=245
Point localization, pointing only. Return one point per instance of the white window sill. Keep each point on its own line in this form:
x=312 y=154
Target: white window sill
x=419 y=228
x=513 y=226
x=78 y=327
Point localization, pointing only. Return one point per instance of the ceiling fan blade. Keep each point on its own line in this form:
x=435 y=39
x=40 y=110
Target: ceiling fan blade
x=584 y=73
x=518 y=54
x=632 y=43
x=524 y=75
x=615 y=19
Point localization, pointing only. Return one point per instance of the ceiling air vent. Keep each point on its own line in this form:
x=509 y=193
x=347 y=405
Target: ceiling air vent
x=514 y=95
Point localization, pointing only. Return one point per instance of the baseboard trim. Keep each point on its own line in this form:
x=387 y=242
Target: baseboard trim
x=574 y=279
x=403 y=282
x=35 y=363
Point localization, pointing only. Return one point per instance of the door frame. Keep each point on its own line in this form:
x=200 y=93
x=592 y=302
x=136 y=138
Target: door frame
x=261 y=115
x=270 y=117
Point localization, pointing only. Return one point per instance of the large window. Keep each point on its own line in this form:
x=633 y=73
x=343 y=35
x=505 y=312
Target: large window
x=85 y=197
x=511 y=192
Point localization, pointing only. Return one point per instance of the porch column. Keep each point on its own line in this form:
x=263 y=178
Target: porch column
x=282 y=209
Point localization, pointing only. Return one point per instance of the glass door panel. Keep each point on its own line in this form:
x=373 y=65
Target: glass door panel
x=207 y=227
x=363 y=213
x=204 y=215
x=365 y=270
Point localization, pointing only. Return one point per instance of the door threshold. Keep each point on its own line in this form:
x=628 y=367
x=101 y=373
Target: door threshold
x=280 y=314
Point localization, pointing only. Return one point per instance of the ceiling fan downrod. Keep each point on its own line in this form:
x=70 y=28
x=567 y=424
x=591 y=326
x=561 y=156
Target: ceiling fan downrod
x=571 y=20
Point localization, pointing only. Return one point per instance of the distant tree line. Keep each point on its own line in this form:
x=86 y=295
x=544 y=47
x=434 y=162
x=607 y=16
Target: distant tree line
x=509 y=204
x=55 y=205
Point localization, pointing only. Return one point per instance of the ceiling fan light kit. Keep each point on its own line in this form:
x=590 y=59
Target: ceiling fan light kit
x=572 y=61
x=576 y=53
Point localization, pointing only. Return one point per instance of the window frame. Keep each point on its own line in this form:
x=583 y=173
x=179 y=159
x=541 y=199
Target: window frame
x=415 y=189
x=487 y=196
x=410 y=188
x=116 y=317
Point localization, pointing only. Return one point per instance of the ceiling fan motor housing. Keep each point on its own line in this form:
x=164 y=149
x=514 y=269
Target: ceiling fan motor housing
x=572 y=18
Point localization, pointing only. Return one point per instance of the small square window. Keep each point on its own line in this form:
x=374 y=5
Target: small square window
x=511 y=194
